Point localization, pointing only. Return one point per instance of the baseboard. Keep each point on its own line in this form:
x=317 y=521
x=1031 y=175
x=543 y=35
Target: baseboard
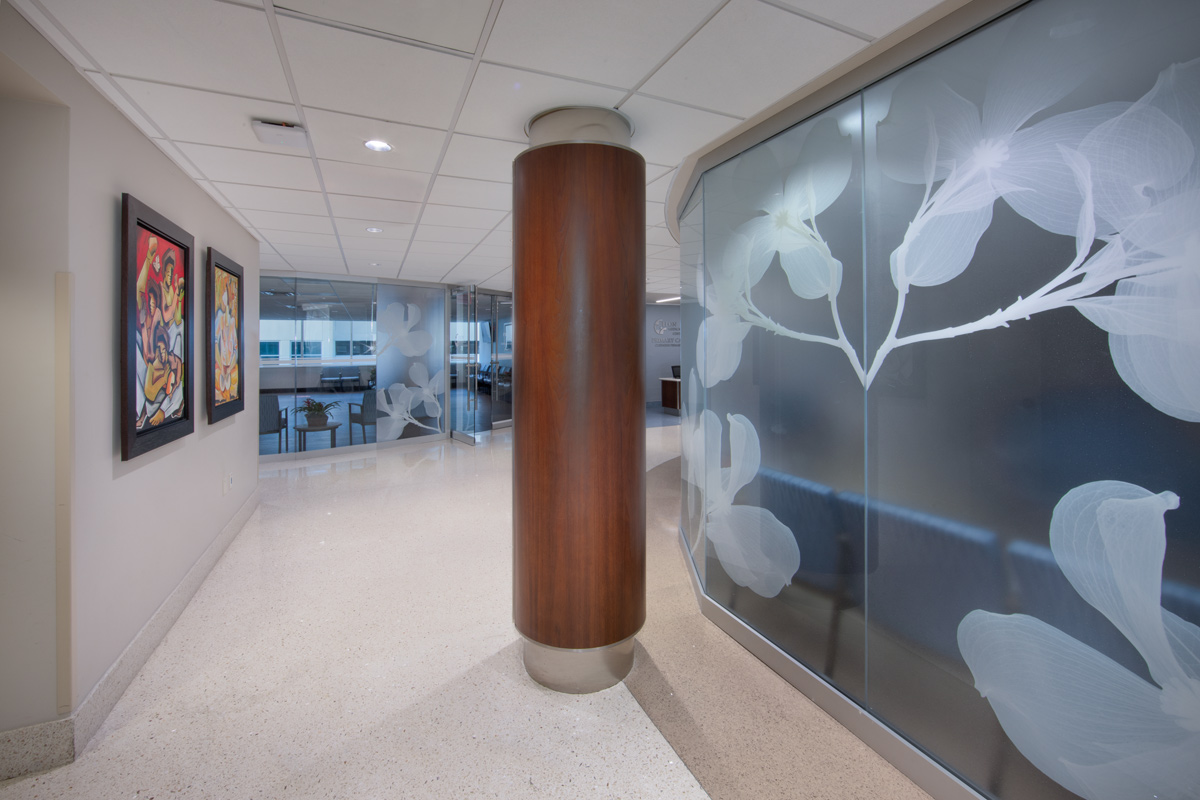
x=51 y=744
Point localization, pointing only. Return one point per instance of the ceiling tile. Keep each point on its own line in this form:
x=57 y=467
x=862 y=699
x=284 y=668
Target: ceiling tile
x=289 y=250
x=502 y=281
x=494 y=251
x=388 y=184
x=750 y=55
x=491 y=262
x=333 y=264
x=226 y=164
x=441 y=233
x=502 y=100
x=204 y=117
x=373 y=269
x=342 y=71
x=616 y=42
x=480 y=158
x=656 y=190
x=656 y=214
x=279 y=238
x=266 y=198
x=276 y=221
x=506 y=224
x=456 y=249
x=369 y=242
x=340 y=137
x=869 y=16
x=456 y=24
x=659 y=235
x=358 y=228
x=196 y=43
x=461 y=217
x=499 y=238
x=467 y=273
x=272 y=261
x=472 y=194
x=666 y=133
x=353 y=207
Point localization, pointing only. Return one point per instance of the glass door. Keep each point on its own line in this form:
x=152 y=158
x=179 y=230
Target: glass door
x=502 y=360
x=464 y=363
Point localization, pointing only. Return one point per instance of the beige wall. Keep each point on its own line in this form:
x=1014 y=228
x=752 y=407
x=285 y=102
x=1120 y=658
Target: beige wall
x=33 y=245
x=137 y=526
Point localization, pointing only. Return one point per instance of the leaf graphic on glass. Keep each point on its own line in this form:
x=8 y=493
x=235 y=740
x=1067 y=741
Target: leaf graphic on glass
x=755 y=549
x=395 y=409
x=1087 y=722
x=427 y=390
x=396 y=329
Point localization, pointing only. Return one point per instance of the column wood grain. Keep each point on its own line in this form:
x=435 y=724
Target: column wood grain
x=579 y=415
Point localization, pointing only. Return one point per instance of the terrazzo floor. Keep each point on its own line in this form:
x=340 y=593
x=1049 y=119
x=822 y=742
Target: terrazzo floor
x=355 y=641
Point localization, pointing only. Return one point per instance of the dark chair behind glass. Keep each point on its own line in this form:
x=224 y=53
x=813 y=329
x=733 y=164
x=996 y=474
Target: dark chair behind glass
x=273 y=419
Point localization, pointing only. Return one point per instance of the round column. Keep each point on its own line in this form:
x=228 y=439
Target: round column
x=579 y=420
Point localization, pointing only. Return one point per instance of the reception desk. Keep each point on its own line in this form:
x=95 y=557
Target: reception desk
x=670 y=394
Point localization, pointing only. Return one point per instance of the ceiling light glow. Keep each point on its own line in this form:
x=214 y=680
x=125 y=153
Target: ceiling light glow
x=378 y=145
x=668 y=300
x=374 y=230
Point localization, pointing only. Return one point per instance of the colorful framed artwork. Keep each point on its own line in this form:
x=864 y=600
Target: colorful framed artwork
x=156 y=330
x=224 y=337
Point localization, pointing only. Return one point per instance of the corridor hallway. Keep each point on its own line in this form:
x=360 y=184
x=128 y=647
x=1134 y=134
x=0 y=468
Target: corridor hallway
x=355 y=641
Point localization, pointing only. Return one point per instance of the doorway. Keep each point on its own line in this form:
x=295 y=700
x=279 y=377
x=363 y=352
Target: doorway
x=481 y=362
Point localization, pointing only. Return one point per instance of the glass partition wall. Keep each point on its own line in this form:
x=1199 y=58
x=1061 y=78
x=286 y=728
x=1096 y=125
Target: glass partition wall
x=942 y=420
x=349 y=363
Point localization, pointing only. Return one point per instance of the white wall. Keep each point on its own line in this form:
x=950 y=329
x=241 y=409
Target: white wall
x=662 y=348
x=33 y=245
x=138 y=526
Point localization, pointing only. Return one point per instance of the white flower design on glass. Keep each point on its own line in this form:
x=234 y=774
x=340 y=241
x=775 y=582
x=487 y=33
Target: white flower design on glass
x=398 y=403
x=1087 y=722
x=395 y=328
x=755 y=549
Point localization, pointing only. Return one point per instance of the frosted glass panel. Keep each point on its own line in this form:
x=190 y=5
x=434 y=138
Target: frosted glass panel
x=947 y=369
x=410 y=353
x=782 y=299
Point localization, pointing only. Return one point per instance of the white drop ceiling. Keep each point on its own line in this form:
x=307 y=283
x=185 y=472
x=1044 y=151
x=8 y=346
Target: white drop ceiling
x=450 y=85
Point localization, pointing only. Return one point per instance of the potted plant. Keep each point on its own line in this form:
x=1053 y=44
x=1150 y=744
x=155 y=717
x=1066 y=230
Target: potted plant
x=317 y=412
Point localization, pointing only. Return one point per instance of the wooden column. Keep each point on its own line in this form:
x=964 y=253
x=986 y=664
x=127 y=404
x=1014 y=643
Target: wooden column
x=579 y=470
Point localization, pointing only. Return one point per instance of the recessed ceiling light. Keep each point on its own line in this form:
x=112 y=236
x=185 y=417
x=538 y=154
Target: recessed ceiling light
x=378 y=145
x=374 y=230
x=668 y=300
x=374 y=264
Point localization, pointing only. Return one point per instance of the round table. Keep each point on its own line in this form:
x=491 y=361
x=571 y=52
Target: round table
x=302 y=432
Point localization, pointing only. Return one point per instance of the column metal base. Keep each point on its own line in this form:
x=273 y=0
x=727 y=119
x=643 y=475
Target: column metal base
x=578 y=671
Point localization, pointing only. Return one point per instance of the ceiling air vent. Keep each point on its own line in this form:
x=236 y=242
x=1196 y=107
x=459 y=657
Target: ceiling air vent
x=280 y=133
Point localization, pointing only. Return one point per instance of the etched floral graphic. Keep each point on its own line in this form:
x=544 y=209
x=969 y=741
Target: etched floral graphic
x=755 y=549
x=1087 y=722
x=396 y=329
x=399 y=402
x=1122 y=179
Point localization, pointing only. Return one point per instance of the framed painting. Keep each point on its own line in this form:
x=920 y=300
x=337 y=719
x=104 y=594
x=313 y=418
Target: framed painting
x=223 y=336
x=156 y=330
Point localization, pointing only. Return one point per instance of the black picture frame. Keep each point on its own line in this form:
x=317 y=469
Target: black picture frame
x=225 y=390
x=155 y=330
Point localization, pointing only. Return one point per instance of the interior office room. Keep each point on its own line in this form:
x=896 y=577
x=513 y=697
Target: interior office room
x=918 y=355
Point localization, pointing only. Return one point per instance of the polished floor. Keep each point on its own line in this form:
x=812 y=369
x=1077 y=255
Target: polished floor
x=355 y=641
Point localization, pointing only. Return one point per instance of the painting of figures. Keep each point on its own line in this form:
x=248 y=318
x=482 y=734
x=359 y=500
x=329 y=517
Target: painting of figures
x=224 y=323
x=156 y=330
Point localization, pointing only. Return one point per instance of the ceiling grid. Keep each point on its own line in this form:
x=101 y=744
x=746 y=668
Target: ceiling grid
x=450 y=85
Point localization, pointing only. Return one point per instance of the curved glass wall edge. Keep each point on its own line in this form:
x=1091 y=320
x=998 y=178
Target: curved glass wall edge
x=941 y=419
x=350 y=364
